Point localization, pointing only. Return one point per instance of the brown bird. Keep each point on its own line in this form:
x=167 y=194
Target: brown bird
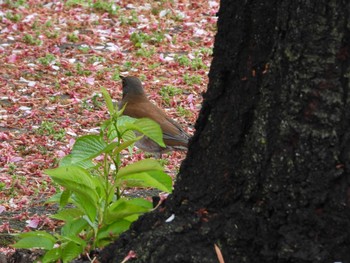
x=138 y=106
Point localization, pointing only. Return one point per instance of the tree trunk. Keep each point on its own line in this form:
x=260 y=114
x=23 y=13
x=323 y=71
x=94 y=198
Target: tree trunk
x=267 y=173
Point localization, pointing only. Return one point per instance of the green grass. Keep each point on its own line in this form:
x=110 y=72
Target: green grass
x=13 y=17
x=195 y=63
x=47 y=60
x=145 y=52
x=50 y=128
x=192 y=79
x=81 y=71
x=169 y=91
x=16 y=4
x=29 y=39
x=183 y=112
x=73 y=37
x=104 y=6
x=139 y=38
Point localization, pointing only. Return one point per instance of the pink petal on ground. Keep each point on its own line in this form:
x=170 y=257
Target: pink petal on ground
x=2 y=208
x=130 y=255
x=33 y=223
x=90 y=81
x=190 y=98
x=12 y=58
x=15 y=159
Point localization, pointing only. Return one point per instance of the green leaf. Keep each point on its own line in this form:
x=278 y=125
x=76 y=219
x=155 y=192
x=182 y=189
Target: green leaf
x=73 y=178
x=68 y=161
x=74 y=227
x=124 y=208
x=65 y=197
x=108 y=100
x=145 y=173
x=68 y=214
x=37 y=239
x=140 y=166
x=126 y=144
x=53 y=255
x=149 y=128
x=82 y=185
x=70 y=251
x=120 y=112
x=154 y=179
x=76 y=239
x=123 y=121
x=87 y=147
x=110 y=232
x=110 y=147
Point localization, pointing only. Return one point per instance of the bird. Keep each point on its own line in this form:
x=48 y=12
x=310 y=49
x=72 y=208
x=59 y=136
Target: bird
x=137 y=105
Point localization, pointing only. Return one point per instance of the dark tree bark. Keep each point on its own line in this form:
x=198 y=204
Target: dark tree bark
x=267 y=173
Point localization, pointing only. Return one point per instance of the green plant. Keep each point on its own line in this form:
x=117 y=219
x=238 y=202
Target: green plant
x=84 y=48
x=47 y=60
x=73 y=37
x=109 y=7
x=116 y=75
x=154 y=65
x=52 y=34
x=29 y=39
x=145 y=52
x=206 y=51
x=139 y=38
x=81 y=71
x=92 y=205
x=16 y=4
x=195 y=63
x=13 y=17
x=192 y=79
x=183 y=60
x=82 y=3
x=183 y=112
x=169 y=91
x=51 y=128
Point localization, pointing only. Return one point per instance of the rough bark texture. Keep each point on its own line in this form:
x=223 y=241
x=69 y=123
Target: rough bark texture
x=267 y=173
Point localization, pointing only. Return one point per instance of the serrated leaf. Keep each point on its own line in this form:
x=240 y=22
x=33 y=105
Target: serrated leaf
x=53 y=255
x=37 y=239
x=74 y=227
x=76 y=239
x=140 y=166
x=65 y=197
x=87 y=147
x=68 y=214
x=110 y=232
x=149 y=128
x=124 y=120
x=82 y=185
x=154 y=179
x=68 y=161
x=70 y=251
x=124 y=208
